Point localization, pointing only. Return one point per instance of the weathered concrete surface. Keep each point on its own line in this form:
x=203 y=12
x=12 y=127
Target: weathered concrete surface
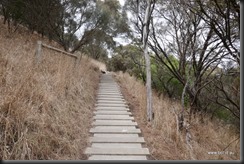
x=117 y=157
x=117 y=151
x=113 y=117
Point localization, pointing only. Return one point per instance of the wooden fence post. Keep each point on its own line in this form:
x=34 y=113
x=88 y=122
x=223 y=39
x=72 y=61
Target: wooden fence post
x=77 y=60
x=38 y=52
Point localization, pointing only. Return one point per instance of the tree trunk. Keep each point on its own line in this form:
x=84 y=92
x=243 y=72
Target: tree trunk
x=147 y=59
x=148 y=84
x=181 y=114
x=194 y=105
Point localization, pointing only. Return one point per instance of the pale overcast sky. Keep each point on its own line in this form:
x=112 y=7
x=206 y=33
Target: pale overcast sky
x=122 y=2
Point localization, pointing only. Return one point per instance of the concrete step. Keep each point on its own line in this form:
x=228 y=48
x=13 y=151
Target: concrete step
x=110 y=94
x=113 y=117
x=112 y=91
x=116 y=145
x=121 y=102
x=112 y=108
x=114 y=100
x=113 y=123
x=111 y=105
x=119 y=126
x=117 y=157
x=111 y=102
x=108 y=107
x=117 y=139
x=109 y=87
x=110 y=99
x=109 y=112
x=117 y=151
x=114 y=135
x=108 y=91
x=127 y=130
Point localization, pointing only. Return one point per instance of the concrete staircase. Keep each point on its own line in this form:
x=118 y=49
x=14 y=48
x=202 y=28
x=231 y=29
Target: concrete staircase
x=115 y=133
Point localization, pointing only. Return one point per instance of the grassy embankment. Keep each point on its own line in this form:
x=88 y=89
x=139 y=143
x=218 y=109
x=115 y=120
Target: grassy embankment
x=46 y=109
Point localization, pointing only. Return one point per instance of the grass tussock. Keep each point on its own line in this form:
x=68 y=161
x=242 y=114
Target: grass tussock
x=45 y=109
x=161 y=135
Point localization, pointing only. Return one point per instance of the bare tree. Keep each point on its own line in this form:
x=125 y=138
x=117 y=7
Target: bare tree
x=224 y=18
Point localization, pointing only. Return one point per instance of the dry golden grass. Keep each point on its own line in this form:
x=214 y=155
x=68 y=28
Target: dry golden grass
x=161 y=136
x=45 y=110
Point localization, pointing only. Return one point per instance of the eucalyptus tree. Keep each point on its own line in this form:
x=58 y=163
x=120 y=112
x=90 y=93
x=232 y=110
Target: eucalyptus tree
x=141 y=26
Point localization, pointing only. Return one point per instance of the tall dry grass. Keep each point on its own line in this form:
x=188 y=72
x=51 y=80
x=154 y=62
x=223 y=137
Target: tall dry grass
x=161 y=135
x=45 y=109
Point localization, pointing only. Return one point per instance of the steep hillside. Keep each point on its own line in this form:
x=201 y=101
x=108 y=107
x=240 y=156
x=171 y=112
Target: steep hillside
x=45 y=109
x=209 y=139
